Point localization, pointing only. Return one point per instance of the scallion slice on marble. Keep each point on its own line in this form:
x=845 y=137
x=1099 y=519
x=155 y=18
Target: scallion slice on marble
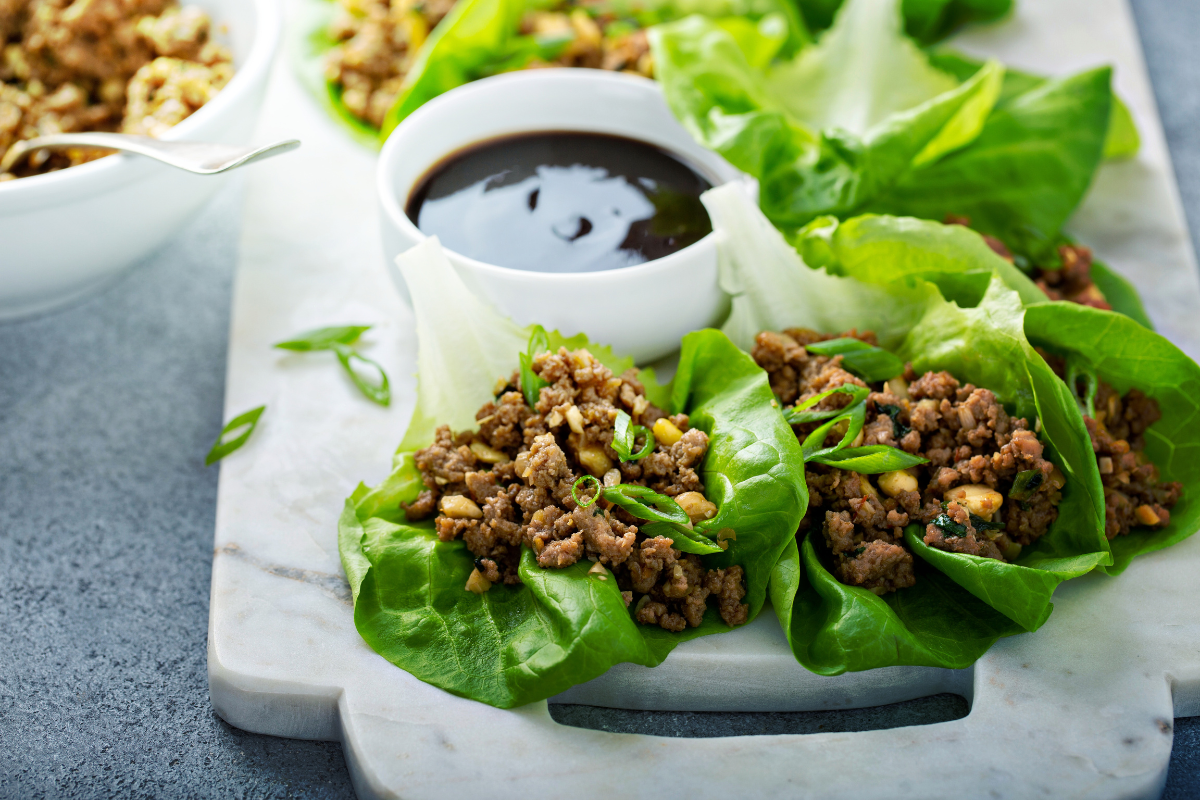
x=245 y=423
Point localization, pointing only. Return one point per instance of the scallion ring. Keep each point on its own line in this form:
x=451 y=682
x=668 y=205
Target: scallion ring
x=581 y=483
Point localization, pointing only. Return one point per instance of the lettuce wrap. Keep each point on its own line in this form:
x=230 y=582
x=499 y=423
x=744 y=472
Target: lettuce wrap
x=514 y=644
x=960 y=604
x=1127 y=356
x=865 y=121
x=478 y=38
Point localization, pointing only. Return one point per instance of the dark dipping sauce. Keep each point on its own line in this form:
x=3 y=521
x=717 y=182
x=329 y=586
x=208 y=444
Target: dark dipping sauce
x=562 y=202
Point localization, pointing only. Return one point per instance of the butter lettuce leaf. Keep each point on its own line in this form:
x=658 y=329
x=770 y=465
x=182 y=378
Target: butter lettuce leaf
x=861 y=123
x=1128 y=355
x=518 y=644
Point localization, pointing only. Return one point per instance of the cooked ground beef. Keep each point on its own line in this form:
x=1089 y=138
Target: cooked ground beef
x=508 y=485
x=1133 y=495
x=379 y=40
x=134 y=66
x=1072 y=281
x=962 y=496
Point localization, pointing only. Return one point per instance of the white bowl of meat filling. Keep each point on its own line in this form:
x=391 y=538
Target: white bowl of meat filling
x=568 y=198
x=194 y=70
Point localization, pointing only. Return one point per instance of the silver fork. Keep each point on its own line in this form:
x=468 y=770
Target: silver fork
x=198 y=157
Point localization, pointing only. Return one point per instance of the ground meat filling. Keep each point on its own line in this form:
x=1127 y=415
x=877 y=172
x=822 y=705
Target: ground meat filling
x=963 y=495
x=508 y=485
x=1133 y=495
x=134 y=66
x=1072 y=281
x=378 y=41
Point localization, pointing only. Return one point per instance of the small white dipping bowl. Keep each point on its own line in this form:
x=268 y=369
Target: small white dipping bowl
x=66 y=233
x=641 y=310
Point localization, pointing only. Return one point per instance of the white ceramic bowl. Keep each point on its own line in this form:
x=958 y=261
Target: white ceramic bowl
x=642 y=310
x=65 y=233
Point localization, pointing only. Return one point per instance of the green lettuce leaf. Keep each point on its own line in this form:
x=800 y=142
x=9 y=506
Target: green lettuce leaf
x=882 y=249
x=924 y=20
x=514 y=645
x=862 y=123
x=835 y=628
x=1122 y=139
x=1128 y=355
x=985 y=345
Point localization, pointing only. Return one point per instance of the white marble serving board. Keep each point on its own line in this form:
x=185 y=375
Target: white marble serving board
x=1083 y=707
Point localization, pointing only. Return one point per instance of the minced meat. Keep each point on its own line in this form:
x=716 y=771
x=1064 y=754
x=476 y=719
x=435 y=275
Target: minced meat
x=509 y=485
x=1133 y=495
x=1071 y=281
x=134 y=66
x=975 y=451
x=378 y=41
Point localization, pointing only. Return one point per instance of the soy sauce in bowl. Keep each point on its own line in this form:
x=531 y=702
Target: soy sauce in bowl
x=562 y=201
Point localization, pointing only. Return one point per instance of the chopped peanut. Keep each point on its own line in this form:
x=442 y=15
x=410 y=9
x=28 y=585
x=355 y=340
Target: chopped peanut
x=980 y=500
x=1057 y=479
x=1146 y=515
x=612 y=478
x=898 y=387
x=898 y=482
x=575 y=419
x=456 y=506
x=666 y=432
x=698 y=507
x=489 y=455
x=477 y=583
x=594 y=460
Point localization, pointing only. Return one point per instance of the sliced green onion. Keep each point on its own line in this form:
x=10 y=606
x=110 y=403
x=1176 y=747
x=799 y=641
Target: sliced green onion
x=799 y=413
x=1026 y=484
x=581 y=484
x=871 y=459
x=378 y=389
x=865 y=360
x=625 y=435
x=813 y=445
x=629 y=496
x=681 y=538
x=221 y=447
x=324 y=338
x=532 y=384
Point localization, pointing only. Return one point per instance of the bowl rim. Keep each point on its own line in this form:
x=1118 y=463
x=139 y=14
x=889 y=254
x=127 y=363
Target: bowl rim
x=390 y=201
x=268 y=29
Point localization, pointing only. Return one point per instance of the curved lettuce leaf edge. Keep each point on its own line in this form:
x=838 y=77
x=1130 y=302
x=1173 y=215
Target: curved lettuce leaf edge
x=984 y=344
x=519 y=644
x=1128 y=355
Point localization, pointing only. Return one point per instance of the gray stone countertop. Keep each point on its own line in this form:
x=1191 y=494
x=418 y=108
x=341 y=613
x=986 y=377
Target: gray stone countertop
x=106 y=522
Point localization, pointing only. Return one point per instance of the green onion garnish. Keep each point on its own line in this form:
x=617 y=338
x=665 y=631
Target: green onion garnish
x=340 y=341
x=221 y=447
x=377 y=389
x=799 y=413
x=581 y=484
x=531 y=384
x=871 y=459
x=867 y=361
x=324 y=338
x=1026 y=484
x=625 y=435
x=661 y=509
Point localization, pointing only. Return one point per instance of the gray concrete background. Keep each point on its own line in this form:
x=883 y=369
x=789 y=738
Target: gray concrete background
x=106 y=521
